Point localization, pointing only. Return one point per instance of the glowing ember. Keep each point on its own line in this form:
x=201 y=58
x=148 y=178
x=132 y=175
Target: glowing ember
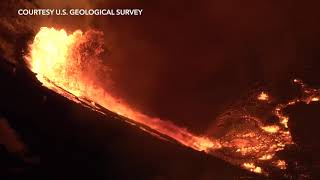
x=271 y=129
x=252 y=167
x=284 y=121
x=70 y=64
x=263 y=96
x=266 y=157
x=281 y=164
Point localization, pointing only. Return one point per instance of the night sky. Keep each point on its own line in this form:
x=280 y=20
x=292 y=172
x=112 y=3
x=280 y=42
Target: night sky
x=188 y=61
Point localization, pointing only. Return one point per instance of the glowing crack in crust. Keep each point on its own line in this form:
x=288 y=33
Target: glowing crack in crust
x=70 y=64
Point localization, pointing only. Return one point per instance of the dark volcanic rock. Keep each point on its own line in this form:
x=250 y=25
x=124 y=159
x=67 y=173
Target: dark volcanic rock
x=75 y=142
x=304 y=125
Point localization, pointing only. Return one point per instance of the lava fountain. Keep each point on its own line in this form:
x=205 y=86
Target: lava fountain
x=71 y=65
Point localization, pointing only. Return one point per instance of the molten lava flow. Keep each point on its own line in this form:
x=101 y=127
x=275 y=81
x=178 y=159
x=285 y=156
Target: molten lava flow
x=71 y=65
x=68 y=65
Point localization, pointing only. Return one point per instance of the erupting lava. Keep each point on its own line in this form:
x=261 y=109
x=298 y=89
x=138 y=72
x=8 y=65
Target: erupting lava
x=70 y=65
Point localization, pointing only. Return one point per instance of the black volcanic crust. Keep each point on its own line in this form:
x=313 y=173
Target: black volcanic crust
x=75 y=142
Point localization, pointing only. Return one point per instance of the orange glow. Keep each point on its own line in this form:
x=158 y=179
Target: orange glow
x=58 y=59
x=281 y=164
x=252 y=167
x=266 y=157
x=284 y=121
x=70 y=64
x=263 y=96
x=271 y=129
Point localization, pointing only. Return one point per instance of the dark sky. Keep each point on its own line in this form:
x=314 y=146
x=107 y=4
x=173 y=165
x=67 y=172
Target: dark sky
x=181 y=61
x=187 y=62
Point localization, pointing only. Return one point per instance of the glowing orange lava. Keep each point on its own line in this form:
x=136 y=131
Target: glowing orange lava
x=271 y=129
x=61 y=63
x=70 y=64
x=263 y=96
x=252 y=167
